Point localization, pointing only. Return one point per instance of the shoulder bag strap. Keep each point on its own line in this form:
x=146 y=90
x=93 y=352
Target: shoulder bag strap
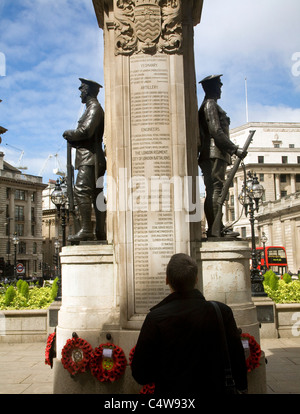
x=229 y=381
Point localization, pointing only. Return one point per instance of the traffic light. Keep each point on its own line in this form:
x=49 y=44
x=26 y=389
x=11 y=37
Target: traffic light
x=2 y=265
x=55 y=259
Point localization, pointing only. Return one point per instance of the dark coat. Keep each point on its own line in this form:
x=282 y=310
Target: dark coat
x=179 y=347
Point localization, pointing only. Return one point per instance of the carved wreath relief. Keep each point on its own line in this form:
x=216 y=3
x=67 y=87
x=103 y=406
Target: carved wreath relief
x=148 y=26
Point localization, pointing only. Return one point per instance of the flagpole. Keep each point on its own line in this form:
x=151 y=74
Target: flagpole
x=246 y=93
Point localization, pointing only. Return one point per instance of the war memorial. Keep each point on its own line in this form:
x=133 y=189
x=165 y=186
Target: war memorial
x=151 y=136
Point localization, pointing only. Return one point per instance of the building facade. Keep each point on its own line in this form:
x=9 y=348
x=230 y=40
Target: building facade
x=274 y=155
x=20 y=214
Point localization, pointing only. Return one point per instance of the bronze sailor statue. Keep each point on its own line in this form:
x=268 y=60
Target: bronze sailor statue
x=89 y=161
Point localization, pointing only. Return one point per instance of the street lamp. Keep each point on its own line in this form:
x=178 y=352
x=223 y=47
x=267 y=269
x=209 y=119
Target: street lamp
x=58 y=269
x=15 y=240
x=250 y=196
x=59 y=198
x=264 y=240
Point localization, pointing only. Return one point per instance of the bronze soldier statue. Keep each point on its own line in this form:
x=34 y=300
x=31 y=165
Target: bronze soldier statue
x=89 y=161
x=215 y=149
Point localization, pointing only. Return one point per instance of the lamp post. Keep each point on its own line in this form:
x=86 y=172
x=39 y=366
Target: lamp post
x=15 y=240
x=59 y=198
x=264 y=240
x=250 y=196
x=58 y=269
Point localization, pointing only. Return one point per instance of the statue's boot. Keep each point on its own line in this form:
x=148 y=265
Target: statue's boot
x=86 y=231
x=229 y=233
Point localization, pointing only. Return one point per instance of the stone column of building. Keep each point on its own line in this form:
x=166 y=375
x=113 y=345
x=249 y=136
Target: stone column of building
x=293 y=183
x=277 y=186
x=151 y=137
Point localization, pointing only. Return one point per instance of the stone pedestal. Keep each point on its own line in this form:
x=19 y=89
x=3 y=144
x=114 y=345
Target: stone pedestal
x=90 y=308
x=89 y=293
x=224 y=275
x=266 y=316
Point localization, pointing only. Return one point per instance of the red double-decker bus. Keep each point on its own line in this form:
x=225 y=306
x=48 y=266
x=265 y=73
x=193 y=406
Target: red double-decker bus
x=272 y=257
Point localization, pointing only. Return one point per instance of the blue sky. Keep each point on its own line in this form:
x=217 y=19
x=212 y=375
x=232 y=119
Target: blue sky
x=49 y=44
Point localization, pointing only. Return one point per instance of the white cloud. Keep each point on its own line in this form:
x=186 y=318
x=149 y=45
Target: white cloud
x=254 y=39
x=48 y=46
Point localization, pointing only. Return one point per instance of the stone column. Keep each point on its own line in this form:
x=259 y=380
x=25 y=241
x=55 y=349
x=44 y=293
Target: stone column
x=293 y=183
x=277 y=186
x=151 y=137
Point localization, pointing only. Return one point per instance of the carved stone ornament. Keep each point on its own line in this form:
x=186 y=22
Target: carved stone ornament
x=148 y=26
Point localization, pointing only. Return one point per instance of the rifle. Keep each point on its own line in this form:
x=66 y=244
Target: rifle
x=216 y=227
x=70 y=182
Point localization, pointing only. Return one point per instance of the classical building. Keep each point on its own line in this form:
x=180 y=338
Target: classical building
x=20 y=214
x=52 y=232
x=274 y=155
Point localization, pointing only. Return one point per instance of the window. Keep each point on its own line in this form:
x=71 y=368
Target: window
x=298 y=159
x=8 y=247
x=244 y=232
x=19 y=229
x=283 y=178
x=297 y=178
x=19 y=195
x=284 y=159
x=19 y=213
x=34 y=248
x=276 y=145
x=283 y=193
x=32 y=214
x=291 y=145
x=32 y=196
x=22 y=247
x=7 y=193
x=261 y=159
x=261 y=177
x=33 y=230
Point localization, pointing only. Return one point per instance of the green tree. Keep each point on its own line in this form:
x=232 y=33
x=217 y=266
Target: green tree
x=287 y=278
x=19 y=285
x=274 y=281
x=9 y=295
x=54 y=288
x=267 y=277
x=25 y=289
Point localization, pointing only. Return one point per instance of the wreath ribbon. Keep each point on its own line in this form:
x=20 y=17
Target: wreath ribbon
x=108 y=362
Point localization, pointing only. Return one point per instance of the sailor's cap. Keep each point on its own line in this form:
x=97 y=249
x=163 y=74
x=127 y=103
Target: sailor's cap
x=209 y=78
x=90 y=83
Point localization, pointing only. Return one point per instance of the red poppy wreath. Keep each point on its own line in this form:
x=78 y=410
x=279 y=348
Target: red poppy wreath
x=76 y=355
x=108 y=362
x=148 y=388
x=253 y=359
x=50 y=349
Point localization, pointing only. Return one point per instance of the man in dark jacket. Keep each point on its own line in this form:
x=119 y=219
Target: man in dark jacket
x=179 y=347
x=90 y=161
